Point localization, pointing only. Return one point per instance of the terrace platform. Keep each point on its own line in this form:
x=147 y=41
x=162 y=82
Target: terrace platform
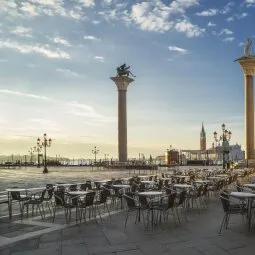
x=197 y=236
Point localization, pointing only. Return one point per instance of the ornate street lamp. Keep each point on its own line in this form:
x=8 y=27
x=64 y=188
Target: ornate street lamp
x=38 y=149
x=31 y=152
x=45 y=143
x=106 y=156
x=225 y=138
x=95 y=152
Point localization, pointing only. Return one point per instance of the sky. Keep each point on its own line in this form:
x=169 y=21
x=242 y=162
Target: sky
x=57 y=57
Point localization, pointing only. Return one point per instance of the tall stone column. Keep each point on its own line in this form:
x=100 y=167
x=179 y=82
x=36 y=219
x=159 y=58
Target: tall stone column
x=248 y=65
x=122 y=83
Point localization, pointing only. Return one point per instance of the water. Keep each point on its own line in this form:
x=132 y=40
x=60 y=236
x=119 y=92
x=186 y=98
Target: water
x=33 y=177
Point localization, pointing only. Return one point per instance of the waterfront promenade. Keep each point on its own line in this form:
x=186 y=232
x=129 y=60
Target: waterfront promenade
x=197 y=236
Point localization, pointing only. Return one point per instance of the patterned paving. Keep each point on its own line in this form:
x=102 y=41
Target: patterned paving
x=197 y=236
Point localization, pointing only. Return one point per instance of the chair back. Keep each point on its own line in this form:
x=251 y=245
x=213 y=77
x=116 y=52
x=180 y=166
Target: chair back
x=182 y=197
x=15 y=195
x=83 y=186
x=171 y=200
x=205 y=189
x=224 y=197
x=130 y=200
x=89 y=198
x=59 y=196
x=73 y=187
x=143 y=201
x=103 y=196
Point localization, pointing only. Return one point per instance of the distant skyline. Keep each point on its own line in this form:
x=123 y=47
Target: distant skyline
x=57 y=57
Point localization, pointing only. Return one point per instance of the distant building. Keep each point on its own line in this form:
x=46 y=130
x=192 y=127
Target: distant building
x=172 y=157
x=202 y=139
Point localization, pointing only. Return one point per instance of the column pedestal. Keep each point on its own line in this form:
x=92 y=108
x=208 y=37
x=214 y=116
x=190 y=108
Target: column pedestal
x=122 y=83
x=248 y=65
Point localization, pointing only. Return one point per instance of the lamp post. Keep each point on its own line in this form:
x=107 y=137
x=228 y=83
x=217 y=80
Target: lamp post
x=225 y=137
x=30 y=151
x=105 y=156
x=38 y=149
x=95 y=152
x=45 y=143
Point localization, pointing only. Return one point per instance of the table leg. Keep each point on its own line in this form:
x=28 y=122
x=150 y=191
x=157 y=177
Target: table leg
x=9 y=205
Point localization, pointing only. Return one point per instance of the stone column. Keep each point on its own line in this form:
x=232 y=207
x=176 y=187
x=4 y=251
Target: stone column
x=248 y=66
x=122 y=83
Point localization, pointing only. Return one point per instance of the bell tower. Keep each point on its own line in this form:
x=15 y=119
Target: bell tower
x=202 y=139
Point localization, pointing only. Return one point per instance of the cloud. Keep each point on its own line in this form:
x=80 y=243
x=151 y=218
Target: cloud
x=151 y=16
x=226 y=31
x=21 y=31
x=249 y=3
x=34 y=8
x=43 y=50
x=21 y=94
x=211 y=24
x=88 y=112
x=180 y=6
x=86 y=3
x=188 y=28
x=237 y=16
x=227 y=8
x=99 y=58
x=228 y=39
x=207 y=13
x=62 y=41
x=177 y=49
x=66 y=71
x=92 y=38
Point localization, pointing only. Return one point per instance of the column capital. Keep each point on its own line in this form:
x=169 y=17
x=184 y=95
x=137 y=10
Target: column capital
x=122 y=82
x=248 y=65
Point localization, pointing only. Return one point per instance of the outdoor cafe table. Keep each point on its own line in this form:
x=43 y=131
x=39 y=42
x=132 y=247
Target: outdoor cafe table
x=25 y=190
x=148 y=182
x=243 y=196
x=121 y=186
x=250 y=185
x=183 y=186
x=202 y=181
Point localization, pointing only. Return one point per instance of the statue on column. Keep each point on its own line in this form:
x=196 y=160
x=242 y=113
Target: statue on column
x=247 y=48
x=123 y=70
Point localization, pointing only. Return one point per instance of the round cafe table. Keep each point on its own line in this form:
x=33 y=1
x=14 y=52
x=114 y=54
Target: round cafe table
x=151 y=193
x=245 y=196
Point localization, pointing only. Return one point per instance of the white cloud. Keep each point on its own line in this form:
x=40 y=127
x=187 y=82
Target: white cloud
x=177 y=49
x=91 y=37
x=60 y=40
x=67 y=72
x=21 y=94
x=207 y=13
x=29 y=9
x=211 y=24
x=227 y=8
x=228 y=39
x=86 y=3
x=21 y=31
x=250 y=3
x=99 y=58
x=43 y=50
x=180 y=6
x=188 y=28
x=226 y=31
x=230 y=19
x=237 y=16
x=151 y=16
x=88 y=112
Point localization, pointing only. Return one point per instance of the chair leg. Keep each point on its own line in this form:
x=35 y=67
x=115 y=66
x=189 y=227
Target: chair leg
x=108 y=210
x=127 y=219
x=222 y=223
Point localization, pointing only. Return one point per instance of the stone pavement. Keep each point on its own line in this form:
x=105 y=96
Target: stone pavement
x=197 y=236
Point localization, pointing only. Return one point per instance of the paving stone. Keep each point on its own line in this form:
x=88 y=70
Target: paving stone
x=26 y=245
x=72 y=241
x=77 y=249
x=132 y=252
x=212 y=250
x=244 y=250
x=5 y=251
x=125 y=247
x=49 y=251
x=50 y=237
x=49 y=245
x=99 y=249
